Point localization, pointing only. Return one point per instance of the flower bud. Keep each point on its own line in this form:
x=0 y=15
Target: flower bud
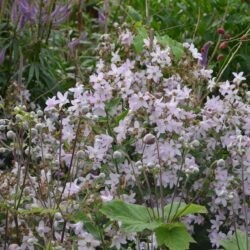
x=17 y=109
x=221 y=31
x=149 y=139
x=138 y=164
x=85 y=109
x=221 y=163
x=230 y=196
x=220 y=57
x=2 y=127
x=11 y=134
x=102 y=175
x=58 y=216
x=39 y=113
x=3 y=150
x=223 y=45
x=117 y=155
x=195 y=143
x=80 y=154
x=2 y=122
x=39 y=126
x=18 y=117
x=33 y=132
x=27 y=151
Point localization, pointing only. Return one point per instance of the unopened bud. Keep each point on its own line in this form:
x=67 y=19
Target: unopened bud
x=85 y=109
x=223 y=45
x=195 y=143
x=230 y=196
x=2 y=122
x=58 y=216
x=221 y=31
x=3 y=150
x=11 y=134
x=33 y=131
x=2 y=127
x=221 y=163
x=117 y=155
x=138 y=164
x=39 y=126
x=149 y=139
x=39 y=113
x=80 y=154
x=220 y=57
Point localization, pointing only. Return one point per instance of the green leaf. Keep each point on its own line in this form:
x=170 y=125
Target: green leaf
x=174 y=236
x=181 y=209
x=37 y=72
x=31 y=72
x=133 y=14
x=121 y=117
x=138 y=39
x=112 y=103
x=134 y=218
x=176 y=47
x=238 y=241
x=88 y=224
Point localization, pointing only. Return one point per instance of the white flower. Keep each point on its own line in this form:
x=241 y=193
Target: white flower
x=147 y=42
x=115 y=57
x=238 y=77
x=106 y=195
x=207 y=73
x=87 y=242
x=77 y=227
x=42 y=229
x=126 y=38
x=211 y=84
x=193 y=50
x=186 y=45
x=62 y=98
x=153 y=72
x=71 y=189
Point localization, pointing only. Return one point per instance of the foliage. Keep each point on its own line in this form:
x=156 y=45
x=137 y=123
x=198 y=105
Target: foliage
x=137 y=218
x=237 y=241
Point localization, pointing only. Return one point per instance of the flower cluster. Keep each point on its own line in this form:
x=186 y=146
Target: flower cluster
x=146 y=129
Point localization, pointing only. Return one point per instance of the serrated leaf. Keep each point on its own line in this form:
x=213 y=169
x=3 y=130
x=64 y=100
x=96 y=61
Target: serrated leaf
x=176 y=47
x=177 y=210
x=174 y=236
x=134 y=218
x=237 y=241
